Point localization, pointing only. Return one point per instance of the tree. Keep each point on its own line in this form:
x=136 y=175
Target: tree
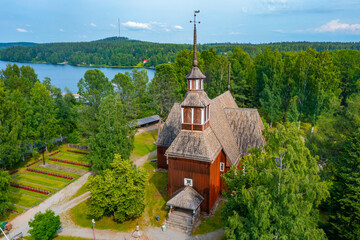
x=216 y=71
x=164 y=88
x=4 y=191
x=114 y=135
x=42 y=115
x=92 y=88
x=119 y=191
x=243 y=77
x=126 y=90
x=140 y=81
x=345 y=194
x=44 y=225
x=275 y=194
x=270 y=99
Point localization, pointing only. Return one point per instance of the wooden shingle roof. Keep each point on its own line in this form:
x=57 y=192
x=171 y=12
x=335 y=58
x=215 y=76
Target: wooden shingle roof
x=246 y=125
x=197 y=145
x=196 y=99
x=186 y=198
x=231 y=129
x=171 y=128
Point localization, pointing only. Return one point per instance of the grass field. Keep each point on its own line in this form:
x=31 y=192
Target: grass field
x=144 y=144
x=23 y=200
x=27 y=198
x=42 y=180
x=26 y=192
x=210 y=224
x=155 y=200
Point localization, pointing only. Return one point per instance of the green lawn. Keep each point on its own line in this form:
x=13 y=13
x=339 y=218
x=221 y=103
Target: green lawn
x=29 y=184
x=69 y=165
x=42 y=180
x=48 y=177
x=71 y=157
x=56 y=171
x=30 y=193
x=23 y=200
x=19 y=209
x=81 y=191
x=211 y=224
x=144 y=144
x=156 y=196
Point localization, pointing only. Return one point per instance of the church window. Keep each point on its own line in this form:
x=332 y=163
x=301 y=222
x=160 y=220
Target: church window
x=188 y=182
x=222 y=167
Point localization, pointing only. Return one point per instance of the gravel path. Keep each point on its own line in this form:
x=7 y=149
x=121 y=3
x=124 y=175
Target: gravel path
x=58 y=203
x=141 y=161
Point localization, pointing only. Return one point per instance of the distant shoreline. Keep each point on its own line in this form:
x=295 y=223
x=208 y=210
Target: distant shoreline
x=84 y=65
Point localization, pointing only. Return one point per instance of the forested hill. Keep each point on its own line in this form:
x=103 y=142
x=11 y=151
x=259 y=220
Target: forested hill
x=115 y=51
x=13 y=44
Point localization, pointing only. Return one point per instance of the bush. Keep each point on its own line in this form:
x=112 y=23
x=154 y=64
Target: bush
x=44 y=225
x=74 y=137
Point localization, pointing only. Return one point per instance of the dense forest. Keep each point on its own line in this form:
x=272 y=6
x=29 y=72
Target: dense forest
x=310 y=100
x=115 y=51
x=15 y=44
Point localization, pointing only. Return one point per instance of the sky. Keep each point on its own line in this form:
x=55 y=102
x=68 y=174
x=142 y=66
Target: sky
x=167 y=21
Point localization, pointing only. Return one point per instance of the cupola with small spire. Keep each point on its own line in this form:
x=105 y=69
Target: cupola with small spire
x=195 y=107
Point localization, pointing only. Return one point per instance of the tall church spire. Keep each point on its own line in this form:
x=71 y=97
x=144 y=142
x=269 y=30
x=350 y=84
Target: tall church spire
x=195 y=63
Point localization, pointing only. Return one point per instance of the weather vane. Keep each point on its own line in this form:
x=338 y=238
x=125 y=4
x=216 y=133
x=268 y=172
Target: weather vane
x=195 y=22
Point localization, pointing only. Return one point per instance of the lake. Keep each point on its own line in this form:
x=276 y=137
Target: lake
x=68 y=76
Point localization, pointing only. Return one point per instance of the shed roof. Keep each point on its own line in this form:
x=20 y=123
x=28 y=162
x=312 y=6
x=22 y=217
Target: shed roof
x=186 y=198
x=147 y=120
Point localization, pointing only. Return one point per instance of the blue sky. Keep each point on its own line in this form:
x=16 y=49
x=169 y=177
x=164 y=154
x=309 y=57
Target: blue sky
x=254 y=21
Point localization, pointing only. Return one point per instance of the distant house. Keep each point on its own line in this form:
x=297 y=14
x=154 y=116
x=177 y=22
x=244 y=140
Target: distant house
x=145 y=61
x=76 y=96
x=201 y=139
x=145 y=122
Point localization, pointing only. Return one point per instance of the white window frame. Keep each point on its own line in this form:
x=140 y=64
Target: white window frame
x=190 y=87
x=222 y=166
x=197 y=84
x=192 y=115
x=182 y=115
x=188 y=181
x=202 y=84
x=202 y=116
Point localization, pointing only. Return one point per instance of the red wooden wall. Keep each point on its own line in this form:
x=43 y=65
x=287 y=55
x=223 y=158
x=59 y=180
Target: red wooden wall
x=161 y=158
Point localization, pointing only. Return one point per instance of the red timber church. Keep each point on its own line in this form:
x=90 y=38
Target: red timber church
x=200 y=140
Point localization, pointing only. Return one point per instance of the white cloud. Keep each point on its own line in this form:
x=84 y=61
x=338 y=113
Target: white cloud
x=112 y=25
x=28 y=25
x=61 y=30
x=21 y=30
x=137 y=25
x=244 y=10
x=167 y=30
x=335 y=25
x=93 y=24
x=82 y=36
x=178 y=27
x=279 y=30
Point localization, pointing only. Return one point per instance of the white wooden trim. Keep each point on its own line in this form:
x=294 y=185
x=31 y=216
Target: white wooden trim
x=202 y=116
x=186 y=180
x=182 y=115
x=197 y=86
x=202 y=84
x=192 y=115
